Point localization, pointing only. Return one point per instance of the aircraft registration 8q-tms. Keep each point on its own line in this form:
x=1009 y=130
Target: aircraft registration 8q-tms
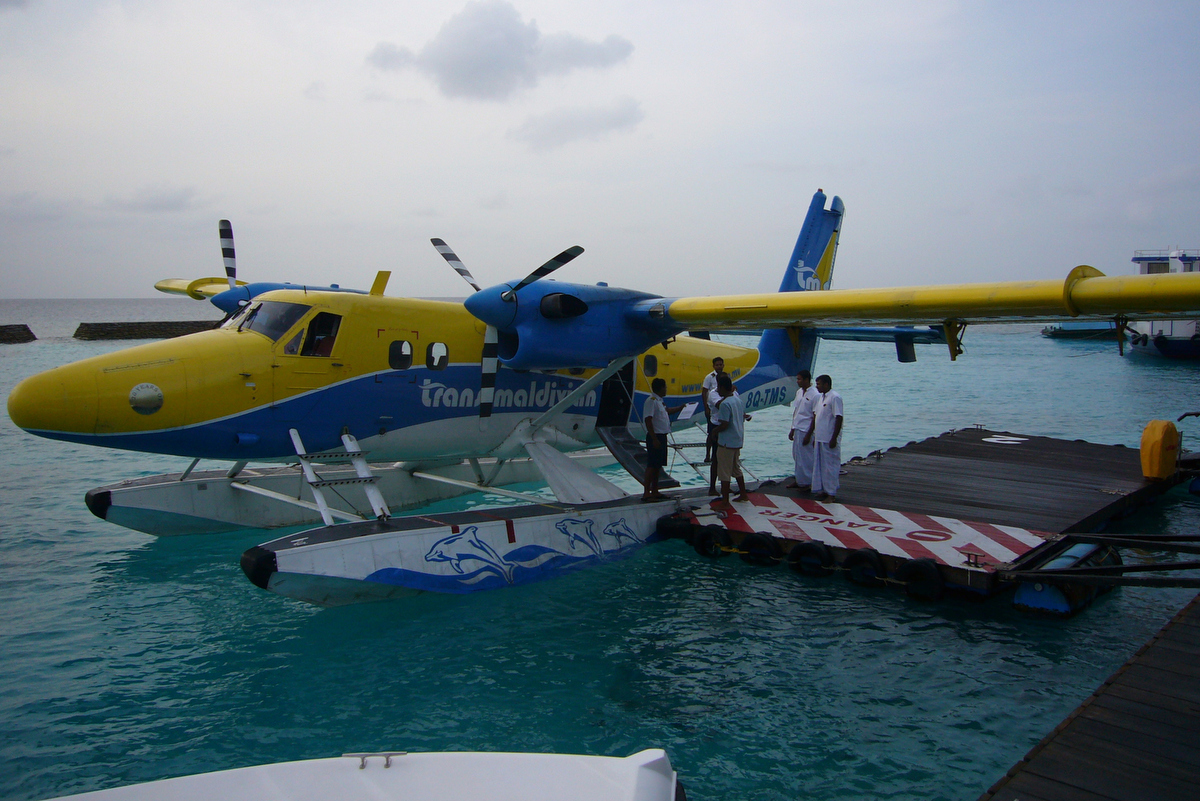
x=428 y=398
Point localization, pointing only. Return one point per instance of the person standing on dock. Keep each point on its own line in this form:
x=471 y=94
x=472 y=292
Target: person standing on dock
x=825 y=435
x=731 y=430
x=802 y=420
x=656 y=419
x=708 y=399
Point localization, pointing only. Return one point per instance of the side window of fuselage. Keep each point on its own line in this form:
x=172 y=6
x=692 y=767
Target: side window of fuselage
x=293 y=345
x=400 y=355
x=437 y=356
x=322 y=333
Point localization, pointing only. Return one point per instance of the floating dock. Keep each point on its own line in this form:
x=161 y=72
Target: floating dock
x=972 y=510
x=1137 y=737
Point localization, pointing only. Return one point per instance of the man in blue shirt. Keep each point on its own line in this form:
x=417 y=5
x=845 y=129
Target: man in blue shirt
x=730 y=426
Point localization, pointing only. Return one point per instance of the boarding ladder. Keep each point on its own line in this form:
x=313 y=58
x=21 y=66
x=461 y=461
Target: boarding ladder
x=364 y=477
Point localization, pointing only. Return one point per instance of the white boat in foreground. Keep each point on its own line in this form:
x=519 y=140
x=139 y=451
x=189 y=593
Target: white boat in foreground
x=443 y=776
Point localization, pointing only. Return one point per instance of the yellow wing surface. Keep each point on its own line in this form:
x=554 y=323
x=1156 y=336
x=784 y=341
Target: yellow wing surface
x=199 y=288
x=1086 y=292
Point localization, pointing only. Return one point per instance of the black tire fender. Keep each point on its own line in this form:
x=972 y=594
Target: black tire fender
x=760 y=548
x=811 y=558
x=864 y=567
x=712 y=541
x=922 y=579
x=674 y=527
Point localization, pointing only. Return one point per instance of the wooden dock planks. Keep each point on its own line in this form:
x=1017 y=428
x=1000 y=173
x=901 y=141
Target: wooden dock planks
x=1037 y=483
x=1136 y=738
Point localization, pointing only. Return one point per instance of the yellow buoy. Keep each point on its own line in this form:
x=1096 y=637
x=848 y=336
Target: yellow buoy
x=1160 y=449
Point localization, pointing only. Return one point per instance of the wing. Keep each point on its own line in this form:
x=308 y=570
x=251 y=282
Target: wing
x=1086 y=292
x=200 y=288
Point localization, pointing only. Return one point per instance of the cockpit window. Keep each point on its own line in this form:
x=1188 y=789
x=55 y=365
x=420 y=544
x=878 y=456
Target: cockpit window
x=322 y=332
x=271 y=318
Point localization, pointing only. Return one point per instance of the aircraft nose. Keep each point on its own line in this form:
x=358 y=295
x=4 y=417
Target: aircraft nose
x=58 y=400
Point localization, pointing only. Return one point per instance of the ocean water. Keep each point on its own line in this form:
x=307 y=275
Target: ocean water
x=124 y=658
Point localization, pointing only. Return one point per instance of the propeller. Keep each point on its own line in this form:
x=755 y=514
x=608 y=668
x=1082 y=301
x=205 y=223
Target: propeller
x=490 y=361
x=226 y=229
x=543 y=271
x=455 y=262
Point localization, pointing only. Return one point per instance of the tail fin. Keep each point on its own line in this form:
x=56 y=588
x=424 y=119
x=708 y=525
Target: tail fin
x=809 y=269
x=811 y=265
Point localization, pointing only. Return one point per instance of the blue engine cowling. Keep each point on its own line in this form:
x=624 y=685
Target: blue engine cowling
x=551 y=325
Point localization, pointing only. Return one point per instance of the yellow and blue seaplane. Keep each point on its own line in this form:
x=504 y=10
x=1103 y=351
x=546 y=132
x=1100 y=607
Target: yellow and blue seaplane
x=406 y=401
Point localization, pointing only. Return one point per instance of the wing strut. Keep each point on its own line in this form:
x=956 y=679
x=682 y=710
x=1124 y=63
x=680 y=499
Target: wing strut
x=954 y=330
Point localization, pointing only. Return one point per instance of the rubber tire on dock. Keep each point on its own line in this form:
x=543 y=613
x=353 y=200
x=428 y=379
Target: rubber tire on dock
x=811 y=558
x=712 y=541
x=864 y=567
x=922 y=579
x=672 y=527
x=760 y=548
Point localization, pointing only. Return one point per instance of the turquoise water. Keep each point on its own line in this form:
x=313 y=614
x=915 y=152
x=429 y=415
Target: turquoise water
x=124 y=658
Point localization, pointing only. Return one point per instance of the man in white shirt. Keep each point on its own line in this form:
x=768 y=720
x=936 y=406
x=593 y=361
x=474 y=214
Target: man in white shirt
x=802 y=420
x=826 y=435
x=656 y=419
x=708 y=400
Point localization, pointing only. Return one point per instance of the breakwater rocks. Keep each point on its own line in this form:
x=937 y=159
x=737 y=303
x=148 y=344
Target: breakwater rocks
x=143 y=330
x=15 y=334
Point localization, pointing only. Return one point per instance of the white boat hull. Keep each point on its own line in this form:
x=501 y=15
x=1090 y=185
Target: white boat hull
x=448 y=776
x=458 y=553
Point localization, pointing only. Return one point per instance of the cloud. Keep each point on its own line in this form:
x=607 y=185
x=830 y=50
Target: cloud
x=485 y=52
x=564 y=126
x=387 y=56
x=156 y=199
x=13 y=3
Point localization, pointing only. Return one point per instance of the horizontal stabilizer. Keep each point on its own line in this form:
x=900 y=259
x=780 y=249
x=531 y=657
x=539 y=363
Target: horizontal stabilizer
x=199 y=289
x=571 y=482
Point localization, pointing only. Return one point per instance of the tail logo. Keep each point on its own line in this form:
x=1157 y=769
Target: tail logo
x=806 y=276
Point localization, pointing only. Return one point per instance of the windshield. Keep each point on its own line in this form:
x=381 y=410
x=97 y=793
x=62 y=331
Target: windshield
x=271 y=318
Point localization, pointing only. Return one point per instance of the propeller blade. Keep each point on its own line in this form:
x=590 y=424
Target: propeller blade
x=454 y=262
x=544 y=270
x=489 y=364
x=227 y=253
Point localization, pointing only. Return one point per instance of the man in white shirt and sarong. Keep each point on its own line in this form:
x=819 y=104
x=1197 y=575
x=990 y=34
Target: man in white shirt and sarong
x=825 y=435
x=709 y=399
x=802 y=420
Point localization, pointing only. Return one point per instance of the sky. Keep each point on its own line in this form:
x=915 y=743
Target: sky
x=678 y=142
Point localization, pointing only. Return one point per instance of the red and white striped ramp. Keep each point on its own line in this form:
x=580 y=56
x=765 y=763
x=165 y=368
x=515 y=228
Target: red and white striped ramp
x=907 y=535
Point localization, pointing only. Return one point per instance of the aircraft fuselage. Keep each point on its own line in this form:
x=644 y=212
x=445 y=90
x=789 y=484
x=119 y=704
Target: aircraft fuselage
x=401 y=375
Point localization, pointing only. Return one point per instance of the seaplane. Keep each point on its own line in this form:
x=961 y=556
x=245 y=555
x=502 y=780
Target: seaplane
x=328 y=392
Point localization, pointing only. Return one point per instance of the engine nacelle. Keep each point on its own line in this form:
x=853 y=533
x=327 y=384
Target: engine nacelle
x=551 y=325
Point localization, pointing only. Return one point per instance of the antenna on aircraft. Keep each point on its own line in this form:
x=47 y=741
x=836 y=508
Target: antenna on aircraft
x=226 y=229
